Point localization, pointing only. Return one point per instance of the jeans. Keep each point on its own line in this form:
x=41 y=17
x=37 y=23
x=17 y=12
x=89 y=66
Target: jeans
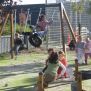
x=15 y=49
x=42 y=33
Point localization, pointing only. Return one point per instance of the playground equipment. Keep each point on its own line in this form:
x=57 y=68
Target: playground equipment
x=9 y=12
x=62 y=12
x=34 y=38
x=57 y=34
x=8 y=7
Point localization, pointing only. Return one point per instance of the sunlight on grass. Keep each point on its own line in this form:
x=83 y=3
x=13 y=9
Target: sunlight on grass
x=21 y=59
x=22 y=80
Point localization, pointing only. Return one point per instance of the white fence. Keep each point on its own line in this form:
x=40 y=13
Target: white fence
x=4 y=44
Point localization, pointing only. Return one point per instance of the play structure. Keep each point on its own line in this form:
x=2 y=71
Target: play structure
x=8 y=11
x=55 y=34
x=60 y=14
x=76 y=85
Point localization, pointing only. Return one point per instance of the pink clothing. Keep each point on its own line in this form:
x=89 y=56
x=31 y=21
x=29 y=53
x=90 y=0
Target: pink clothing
x=43 y=24
x=65 y=64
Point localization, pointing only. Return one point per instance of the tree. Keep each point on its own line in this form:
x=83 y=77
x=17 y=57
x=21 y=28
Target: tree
x=89 y=9
x=78 y=7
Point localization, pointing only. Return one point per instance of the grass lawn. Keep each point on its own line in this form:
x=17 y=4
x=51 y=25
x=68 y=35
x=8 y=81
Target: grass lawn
x=23 y=79
x=22 y=82
x=5 y=59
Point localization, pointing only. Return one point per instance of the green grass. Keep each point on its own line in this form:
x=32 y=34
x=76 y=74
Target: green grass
x=15 y=83
x=22 y=81
x=5 y=59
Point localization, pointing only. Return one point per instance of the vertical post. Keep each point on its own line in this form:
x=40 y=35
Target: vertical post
x=62 y=29
x=12 y=33
x=79 y=25
x=40 y=82
x=15 y=21
x=76 y=69
x=79 y=82
x=46 y=2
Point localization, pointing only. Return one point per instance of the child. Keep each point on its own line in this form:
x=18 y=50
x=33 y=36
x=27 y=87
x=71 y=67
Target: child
x=50 y=73
x=50 y=52
x=62 y=71
x=87 y=49
x=80 y=50
x=42 y=25
x=17 y=43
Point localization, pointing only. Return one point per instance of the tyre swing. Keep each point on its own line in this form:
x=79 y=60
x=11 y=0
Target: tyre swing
x=35 y=40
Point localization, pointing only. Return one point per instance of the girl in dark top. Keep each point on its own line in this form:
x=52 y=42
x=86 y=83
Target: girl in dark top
x=50 y=52
x=50 y=73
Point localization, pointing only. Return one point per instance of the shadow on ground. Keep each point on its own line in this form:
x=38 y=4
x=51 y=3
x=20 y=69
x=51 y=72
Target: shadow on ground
x=20 y=88
x=27 y=87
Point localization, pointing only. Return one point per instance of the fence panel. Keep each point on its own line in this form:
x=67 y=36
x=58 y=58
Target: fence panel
x=4 y=44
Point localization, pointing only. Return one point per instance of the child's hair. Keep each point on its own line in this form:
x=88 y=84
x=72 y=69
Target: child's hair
x=61 y=52
x=50 y=49
x=41 y=17
x=53 y=59
x=17 y=34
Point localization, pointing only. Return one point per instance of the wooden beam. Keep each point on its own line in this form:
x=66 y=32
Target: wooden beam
x=76 y=69
x=68 y=22
x=62 y=29
x=2 y=28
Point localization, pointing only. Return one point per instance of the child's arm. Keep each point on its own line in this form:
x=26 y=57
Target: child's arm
x=48 y=22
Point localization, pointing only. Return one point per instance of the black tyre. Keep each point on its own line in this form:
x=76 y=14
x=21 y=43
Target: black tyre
x=35 y=40
x=86 y=75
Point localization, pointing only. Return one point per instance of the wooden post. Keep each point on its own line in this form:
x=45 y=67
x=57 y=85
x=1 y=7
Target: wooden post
x=12 y=33
x=40 y=82
x=62 y=29
x=79 y=81
x=76 y=69
x=5 y=21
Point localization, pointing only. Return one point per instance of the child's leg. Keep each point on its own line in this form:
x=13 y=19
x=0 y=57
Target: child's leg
x=86 y=57
x=79 y=58
x=82 y=57
x=63 y=70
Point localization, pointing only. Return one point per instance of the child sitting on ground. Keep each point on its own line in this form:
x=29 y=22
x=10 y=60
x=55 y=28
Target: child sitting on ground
x=62 y=70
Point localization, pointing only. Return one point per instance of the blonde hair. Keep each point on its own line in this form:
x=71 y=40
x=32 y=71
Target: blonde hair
x=61 y=52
